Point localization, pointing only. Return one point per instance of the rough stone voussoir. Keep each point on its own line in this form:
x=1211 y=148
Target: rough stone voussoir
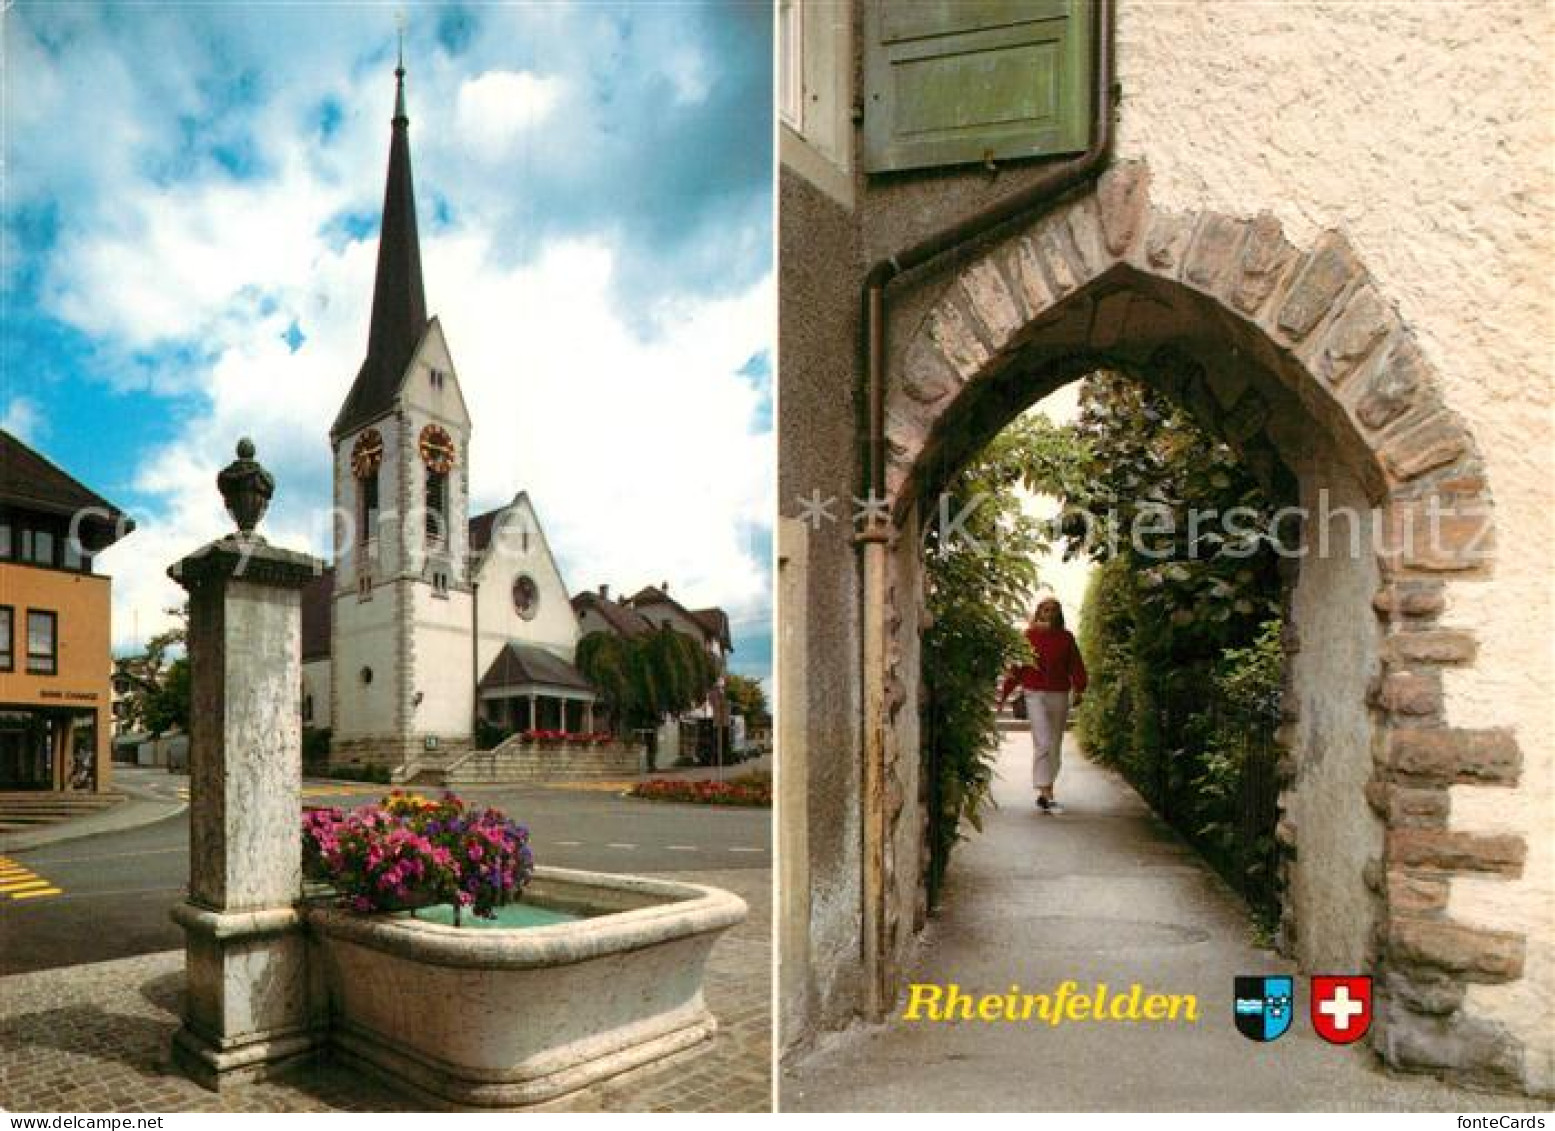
x=1473 y=953
x=1166 y=241
x=1390 y=387
x=1031 y=290
x=952 y=331
x=989 y=299
x=1216 y=241
x=1443 y=852
x=1058 y=268
x=905 y=433
x=927 y=377
x=1124 y=198
x=1451 y=756
x=1436 y=536
x=1437 y=442
x=1354 y=336
x=1320 y=281
x=1266 y=255
x=1085 y=232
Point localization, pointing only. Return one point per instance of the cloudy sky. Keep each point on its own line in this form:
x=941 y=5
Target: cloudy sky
x=191 y=205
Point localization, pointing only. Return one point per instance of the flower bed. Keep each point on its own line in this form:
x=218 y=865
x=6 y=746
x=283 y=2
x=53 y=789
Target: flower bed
x=744 y=791
x=410 y=851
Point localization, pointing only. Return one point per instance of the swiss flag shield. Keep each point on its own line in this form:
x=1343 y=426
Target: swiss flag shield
x=1341 y=1007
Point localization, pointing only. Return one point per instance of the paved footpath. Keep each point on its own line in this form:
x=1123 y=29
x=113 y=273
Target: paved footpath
x=1103 y=893
x=95 y=1039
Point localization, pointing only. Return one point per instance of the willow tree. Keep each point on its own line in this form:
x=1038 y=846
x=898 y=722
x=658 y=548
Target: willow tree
x=645 y=678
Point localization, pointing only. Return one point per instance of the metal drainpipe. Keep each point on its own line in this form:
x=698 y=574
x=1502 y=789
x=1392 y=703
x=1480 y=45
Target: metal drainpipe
x=873 y=540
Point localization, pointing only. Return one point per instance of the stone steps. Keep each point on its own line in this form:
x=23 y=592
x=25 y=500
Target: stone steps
x=28 y=810
x=517 y=764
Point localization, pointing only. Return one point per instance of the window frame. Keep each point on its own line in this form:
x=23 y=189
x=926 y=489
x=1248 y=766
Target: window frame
x=8 y=656
x=52 y=655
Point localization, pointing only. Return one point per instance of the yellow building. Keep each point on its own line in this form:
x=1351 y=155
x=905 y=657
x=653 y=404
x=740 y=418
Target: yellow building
x=55 y=661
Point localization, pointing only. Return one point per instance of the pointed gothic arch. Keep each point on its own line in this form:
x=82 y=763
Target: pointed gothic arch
x=1295 y=357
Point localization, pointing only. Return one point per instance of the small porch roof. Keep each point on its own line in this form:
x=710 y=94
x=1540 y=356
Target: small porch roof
x=522 y=668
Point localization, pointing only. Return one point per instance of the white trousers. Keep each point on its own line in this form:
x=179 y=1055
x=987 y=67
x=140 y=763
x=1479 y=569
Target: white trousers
x=1046 y=711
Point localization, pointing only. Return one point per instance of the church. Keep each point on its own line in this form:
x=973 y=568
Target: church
x=430 y=621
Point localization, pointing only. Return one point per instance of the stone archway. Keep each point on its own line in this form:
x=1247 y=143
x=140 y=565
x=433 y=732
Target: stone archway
x=1296 y=359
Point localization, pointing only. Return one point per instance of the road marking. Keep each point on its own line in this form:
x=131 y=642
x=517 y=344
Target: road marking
x=620 y=846
x=747 y=850
x=682 y=848
x=17 y=882
x=35 y=894
x=567 y=843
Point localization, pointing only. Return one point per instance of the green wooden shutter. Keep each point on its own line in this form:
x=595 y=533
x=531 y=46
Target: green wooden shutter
x=947 y=82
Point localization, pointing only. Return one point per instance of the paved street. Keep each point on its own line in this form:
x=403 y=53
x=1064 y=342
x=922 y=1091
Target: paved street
x=1105 y=893
x=108 y=896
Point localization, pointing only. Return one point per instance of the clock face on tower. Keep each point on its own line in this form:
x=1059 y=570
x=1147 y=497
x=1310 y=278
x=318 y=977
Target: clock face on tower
x=437 y=449
x=367 y=454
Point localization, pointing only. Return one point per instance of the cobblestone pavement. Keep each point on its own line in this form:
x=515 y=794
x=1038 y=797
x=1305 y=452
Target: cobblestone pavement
x=95 y=1039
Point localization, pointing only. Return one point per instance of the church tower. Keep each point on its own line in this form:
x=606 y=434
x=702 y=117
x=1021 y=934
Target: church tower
x=401 y=682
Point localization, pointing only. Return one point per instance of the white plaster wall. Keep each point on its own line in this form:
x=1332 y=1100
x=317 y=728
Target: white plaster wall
x=315 y=682
x=364 y=637
x=555 y=625
x=442 y=671
x=1423 y=131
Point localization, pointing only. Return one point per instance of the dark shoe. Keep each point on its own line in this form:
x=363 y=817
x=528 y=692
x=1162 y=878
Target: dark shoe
x=1044 y=804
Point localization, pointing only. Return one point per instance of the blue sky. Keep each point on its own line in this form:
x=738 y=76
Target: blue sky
x=190 y=210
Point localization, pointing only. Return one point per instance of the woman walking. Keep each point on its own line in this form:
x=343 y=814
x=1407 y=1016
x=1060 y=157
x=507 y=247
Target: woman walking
x=1056 y=670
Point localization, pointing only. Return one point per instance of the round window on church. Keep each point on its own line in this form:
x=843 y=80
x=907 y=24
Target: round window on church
x=526 y=597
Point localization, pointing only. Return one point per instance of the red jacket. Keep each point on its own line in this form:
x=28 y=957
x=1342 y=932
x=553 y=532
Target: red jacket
x=1058 y=664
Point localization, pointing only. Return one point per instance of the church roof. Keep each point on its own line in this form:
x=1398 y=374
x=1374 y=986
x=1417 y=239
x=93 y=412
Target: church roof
x=318 y=611
x=481 y=526
x=399 y=316
x=518 y=665
x=30 y=482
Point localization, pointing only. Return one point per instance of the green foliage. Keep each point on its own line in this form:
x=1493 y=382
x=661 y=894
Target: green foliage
x=642 y=679
x=149 y=704
x=489 y=735
x=980 y=574
x=167 y=705
x=1181 y=626
x=315 y=745
x=747 y=698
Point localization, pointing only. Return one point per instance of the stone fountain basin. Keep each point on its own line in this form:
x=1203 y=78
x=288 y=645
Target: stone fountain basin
x=506 y=1019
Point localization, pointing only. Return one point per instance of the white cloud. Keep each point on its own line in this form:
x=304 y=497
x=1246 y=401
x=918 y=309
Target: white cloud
x=498 y=106
x=22 y=419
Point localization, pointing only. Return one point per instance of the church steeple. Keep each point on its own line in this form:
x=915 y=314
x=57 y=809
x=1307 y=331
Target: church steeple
x=399 y=315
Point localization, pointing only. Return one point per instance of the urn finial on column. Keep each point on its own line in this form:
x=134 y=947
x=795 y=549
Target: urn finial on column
x=246 y=488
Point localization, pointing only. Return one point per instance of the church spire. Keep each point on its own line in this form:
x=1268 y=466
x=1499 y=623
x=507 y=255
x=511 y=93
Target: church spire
x=399 y=300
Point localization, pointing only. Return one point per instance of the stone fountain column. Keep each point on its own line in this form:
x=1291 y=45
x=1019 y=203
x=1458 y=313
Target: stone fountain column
x=248 y=1005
